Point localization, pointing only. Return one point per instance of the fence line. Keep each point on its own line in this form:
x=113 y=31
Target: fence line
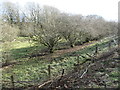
x=76 y=66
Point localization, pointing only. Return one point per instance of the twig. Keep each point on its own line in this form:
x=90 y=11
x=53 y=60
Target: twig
x=50 y=81
x=83 y=56
x=44 y=83
x=86 y=70
x=84 y=73
x=89 y=55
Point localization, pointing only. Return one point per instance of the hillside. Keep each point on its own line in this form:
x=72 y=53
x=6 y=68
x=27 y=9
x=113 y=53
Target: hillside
x=102 y=73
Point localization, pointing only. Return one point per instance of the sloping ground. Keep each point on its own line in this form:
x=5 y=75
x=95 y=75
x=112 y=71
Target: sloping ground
x=70 y=50
x=101 y=73
x=45 y=55
x=56 y=54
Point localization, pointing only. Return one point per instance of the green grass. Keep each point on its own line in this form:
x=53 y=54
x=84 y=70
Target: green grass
x=114 y=74
x=90 y=49
x=25 y=52
x=36 y=69
x=21 y=48
x=33 y=69
x=20 y=42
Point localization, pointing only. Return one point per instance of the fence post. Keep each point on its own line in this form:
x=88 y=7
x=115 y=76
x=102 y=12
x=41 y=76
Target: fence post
x=75 y=67
x=49 y=71
x=78 y=62
x=96 y=49
x=12 y=82
x=63 y=71
x=109 y=45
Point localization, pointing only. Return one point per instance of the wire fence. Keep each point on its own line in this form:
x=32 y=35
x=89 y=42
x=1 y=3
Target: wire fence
x=107 y=46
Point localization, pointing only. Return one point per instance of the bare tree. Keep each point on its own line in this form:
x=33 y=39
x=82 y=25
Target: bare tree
x=69 y=27
x=46 y=31
x=10 y=13
x=97 y=26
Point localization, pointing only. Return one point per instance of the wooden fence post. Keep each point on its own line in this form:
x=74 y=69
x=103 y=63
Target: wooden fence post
x=96 y=49
x=49 y=71
x=78 y=60
x=75 y=67
x=109 y=45
x=63 y=71
x=12 y=82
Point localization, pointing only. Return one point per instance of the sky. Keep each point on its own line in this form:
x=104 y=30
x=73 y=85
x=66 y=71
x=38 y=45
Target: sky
x=108 y=9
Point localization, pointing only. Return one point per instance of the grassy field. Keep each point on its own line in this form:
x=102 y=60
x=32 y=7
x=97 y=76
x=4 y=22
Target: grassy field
x=36 y=69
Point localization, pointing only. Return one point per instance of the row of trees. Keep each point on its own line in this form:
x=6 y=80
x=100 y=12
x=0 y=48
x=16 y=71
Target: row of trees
x=47 y=25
